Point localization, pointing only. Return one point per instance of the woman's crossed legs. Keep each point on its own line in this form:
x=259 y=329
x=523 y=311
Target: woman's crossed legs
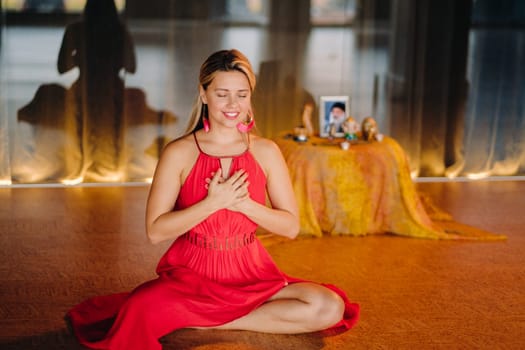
x=297 y=308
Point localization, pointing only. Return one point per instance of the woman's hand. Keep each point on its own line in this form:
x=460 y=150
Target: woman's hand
x=227 y=194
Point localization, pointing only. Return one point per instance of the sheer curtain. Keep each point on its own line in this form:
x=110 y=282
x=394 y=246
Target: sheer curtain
x=456 y=86
x=495 y=119
x=443 y=78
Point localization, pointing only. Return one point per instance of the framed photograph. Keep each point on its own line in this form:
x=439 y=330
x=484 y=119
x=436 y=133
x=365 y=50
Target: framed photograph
x=333 y=111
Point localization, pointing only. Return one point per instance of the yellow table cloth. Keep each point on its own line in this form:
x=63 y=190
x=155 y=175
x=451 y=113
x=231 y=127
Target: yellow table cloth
x=364 y=190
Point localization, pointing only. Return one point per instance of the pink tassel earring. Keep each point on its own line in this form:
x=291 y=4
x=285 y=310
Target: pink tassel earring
x=205 y=121
x=246 y=127
x=206 y=124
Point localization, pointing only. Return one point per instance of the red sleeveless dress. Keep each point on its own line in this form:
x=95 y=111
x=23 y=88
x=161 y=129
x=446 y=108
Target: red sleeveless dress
x=213 y=274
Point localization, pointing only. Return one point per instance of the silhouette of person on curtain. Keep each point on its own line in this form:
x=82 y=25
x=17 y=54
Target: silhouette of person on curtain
x=102 y=49
x=97 y=129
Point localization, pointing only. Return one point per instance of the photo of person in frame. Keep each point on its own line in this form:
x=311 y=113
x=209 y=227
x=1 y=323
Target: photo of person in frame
x=333 y=115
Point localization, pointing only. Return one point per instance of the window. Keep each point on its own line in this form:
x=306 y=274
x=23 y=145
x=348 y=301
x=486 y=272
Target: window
x=332 y=12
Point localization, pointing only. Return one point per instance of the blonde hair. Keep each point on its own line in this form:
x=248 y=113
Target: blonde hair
x=220 y=61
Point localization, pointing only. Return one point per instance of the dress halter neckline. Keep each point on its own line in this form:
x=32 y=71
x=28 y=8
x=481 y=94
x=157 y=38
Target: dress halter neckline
x=225 y=156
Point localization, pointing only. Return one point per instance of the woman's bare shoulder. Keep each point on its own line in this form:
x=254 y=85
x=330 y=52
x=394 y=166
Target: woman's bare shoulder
x=182 y=144
x=263 y=145
x=266 y=152
x=182 y=150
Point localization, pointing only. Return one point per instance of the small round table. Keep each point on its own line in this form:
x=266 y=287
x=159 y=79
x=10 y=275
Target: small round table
x=366 y=189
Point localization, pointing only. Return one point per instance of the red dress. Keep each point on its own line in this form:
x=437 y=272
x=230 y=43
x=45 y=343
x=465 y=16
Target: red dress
x=213 y=274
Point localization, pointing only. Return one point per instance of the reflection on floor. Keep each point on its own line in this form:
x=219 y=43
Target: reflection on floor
x=61 y=245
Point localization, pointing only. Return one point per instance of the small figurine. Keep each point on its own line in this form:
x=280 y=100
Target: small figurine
x=307 y=119
x=350 y=128
x=370 y=130
x=300 y=134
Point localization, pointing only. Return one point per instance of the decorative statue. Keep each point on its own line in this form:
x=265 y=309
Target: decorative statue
x=307 y=119
x=305 y=130
x=350 y=128
x=370 y=130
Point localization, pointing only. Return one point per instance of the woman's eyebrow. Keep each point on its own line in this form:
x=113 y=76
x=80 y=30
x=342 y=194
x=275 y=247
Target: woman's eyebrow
x=224 y=89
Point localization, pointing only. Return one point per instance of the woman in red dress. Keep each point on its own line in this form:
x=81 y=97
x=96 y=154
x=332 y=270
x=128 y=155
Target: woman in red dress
x=208 y=196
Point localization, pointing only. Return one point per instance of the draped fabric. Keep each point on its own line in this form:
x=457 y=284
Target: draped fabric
x=364 y=190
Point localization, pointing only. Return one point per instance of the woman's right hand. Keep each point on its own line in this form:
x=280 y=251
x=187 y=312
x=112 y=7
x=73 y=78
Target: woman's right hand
x=227 y=193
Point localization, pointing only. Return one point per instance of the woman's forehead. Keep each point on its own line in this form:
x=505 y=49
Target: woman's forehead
x=231 y=80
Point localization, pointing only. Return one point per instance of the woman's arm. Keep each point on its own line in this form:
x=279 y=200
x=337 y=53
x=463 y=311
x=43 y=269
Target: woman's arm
x=282 y=218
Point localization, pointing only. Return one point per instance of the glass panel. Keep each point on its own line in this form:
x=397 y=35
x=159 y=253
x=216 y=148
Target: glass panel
x=332 y=12
x=247 y=11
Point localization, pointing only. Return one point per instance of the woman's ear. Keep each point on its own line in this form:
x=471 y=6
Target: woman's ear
x=202 y=94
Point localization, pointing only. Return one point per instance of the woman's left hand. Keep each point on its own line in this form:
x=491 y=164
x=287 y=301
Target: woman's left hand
x=230 y=192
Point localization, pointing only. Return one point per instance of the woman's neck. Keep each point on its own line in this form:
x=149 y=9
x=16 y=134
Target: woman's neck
x=220 y=142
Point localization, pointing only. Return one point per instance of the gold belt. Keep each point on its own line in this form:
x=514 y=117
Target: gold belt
x=219 y=243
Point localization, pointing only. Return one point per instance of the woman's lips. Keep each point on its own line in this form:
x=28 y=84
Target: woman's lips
x=231 y=115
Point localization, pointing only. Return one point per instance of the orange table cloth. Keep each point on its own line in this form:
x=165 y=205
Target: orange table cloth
x=364 y=190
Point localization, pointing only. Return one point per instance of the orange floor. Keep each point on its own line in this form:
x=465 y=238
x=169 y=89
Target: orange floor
x=61 y=245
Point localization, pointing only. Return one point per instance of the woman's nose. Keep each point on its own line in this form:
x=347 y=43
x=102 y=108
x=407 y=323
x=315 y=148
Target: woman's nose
x=232 y=100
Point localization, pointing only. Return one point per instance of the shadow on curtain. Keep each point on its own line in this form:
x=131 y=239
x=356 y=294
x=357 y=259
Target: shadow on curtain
x=95 y=130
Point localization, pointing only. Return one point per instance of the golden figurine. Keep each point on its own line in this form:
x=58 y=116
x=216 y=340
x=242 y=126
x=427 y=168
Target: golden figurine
x=370 y=130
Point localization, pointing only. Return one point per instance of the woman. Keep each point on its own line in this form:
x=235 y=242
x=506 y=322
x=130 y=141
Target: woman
x=208 y=195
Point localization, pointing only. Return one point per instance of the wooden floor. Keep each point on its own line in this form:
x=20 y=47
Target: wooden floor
x=61 y=245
